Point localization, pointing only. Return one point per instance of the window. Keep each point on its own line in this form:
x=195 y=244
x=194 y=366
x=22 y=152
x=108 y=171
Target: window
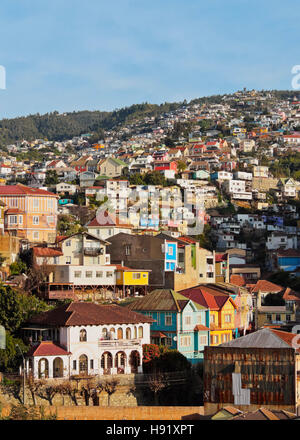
x=99 y=274
x=50 y=219
x=83 y=335
x=203 y=340
x=278 y=318
x=185 y=341
x=35 y=235
x=13 y=219
x=68 y=260
x=210 y=261
x=88 y=274
x=74 y=365
x=227 y=318
x=215 y=339
x=136 y=276
x=35 y=220
x=13 y=203
x=50 y=204
x=212 y=319
x=68 y=243
x=77 y=274
x=168 y=319
x=35 y=204
x=169 y=340
x=109 y=274
x=20 y=219
x=188 y=320
x=127 y=250
x=288 y=317
x=92 y=364
x=141 y=332
x=269 y=318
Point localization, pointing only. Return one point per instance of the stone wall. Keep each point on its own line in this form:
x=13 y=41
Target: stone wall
x=121 y=412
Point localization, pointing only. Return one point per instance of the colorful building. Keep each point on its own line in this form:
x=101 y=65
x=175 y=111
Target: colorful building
x=31 y=213
x=222 y=310
x=179 y=323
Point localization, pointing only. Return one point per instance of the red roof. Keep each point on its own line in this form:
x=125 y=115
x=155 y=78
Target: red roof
x=200 y=328
x=39 y=251
x=287 y=252
x=14 y=211
x=47 y=348
x=291 y=295
x=207 y=297
x=238 y=280
x=7 y=190
x=84 y=313
x=220 y=257
x=266 y=286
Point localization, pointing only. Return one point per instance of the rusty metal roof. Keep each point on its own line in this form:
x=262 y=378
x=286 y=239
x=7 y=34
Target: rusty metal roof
x=264 y=338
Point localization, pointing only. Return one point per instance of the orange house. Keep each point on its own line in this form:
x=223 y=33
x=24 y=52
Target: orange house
x=31 y=213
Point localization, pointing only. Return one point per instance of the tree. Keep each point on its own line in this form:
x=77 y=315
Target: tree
x=156 y=383
x=18 y=267
x=46 y=390
x=68 y=388
x=15 y=308
x=181 y=166
x=11 y=312
x=10 y=357
x=110 y=388
x=51 y=178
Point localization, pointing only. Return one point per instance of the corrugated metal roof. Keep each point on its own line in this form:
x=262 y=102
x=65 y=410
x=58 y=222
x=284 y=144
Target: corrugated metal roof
x=264 y=338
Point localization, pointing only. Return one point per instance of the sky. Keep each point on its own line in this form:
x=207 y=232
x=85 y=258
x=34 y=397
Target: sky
x=70 y=55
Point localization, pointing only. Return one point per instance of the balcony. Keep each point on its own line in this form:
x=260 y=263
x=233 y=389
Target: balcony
x=92 y=252
x=119 y=343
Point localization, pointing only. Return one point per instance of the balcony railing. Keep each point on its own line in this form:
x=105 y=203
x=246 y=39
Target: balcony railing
x=118 y=343
x=92 y=252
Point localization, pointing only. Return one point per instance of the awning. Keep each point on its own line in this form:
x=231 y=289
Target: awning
x=157 y=334
x=200 y=328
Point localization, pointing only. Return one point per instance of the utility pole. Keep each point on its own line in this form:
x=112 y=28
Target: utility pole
x=23 y=373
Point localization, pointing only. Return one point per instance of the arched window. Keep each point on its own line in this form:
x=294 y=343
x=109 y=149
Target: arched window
x=120 y=333
x=120 y=362
x=106 y=362
x=134 y=361
x=58 y=367
x=128 y=333
x=83 y=364
x=112 y=333
x=104 y=333
x=82 y=335
x=135 y=332
x=141 y=332
x=43 y=368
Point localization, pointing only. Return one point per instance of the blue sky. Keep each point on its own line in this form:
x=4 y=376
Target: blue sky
x=70 y=55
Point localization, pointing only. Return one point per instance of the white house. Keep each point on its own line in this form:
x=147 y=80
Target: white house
x=86 y=339
x=280 y=240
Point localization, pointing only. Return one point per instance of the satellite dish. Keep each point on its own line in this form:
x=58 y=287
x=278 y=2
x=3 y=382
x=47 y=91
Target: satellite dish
x=175 y=338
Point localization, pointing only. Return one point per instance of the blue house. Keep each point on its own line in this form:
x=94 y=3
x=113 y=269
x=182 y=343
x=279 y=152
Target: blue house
x=170 y=256
x=179 y=323
x=288 y=260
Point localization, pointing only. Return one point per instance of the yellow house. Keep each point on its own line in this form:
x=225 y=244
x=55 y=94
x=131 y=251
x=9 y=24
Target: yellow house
x=221 y=311
x=134 y=278
x=222 y=322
